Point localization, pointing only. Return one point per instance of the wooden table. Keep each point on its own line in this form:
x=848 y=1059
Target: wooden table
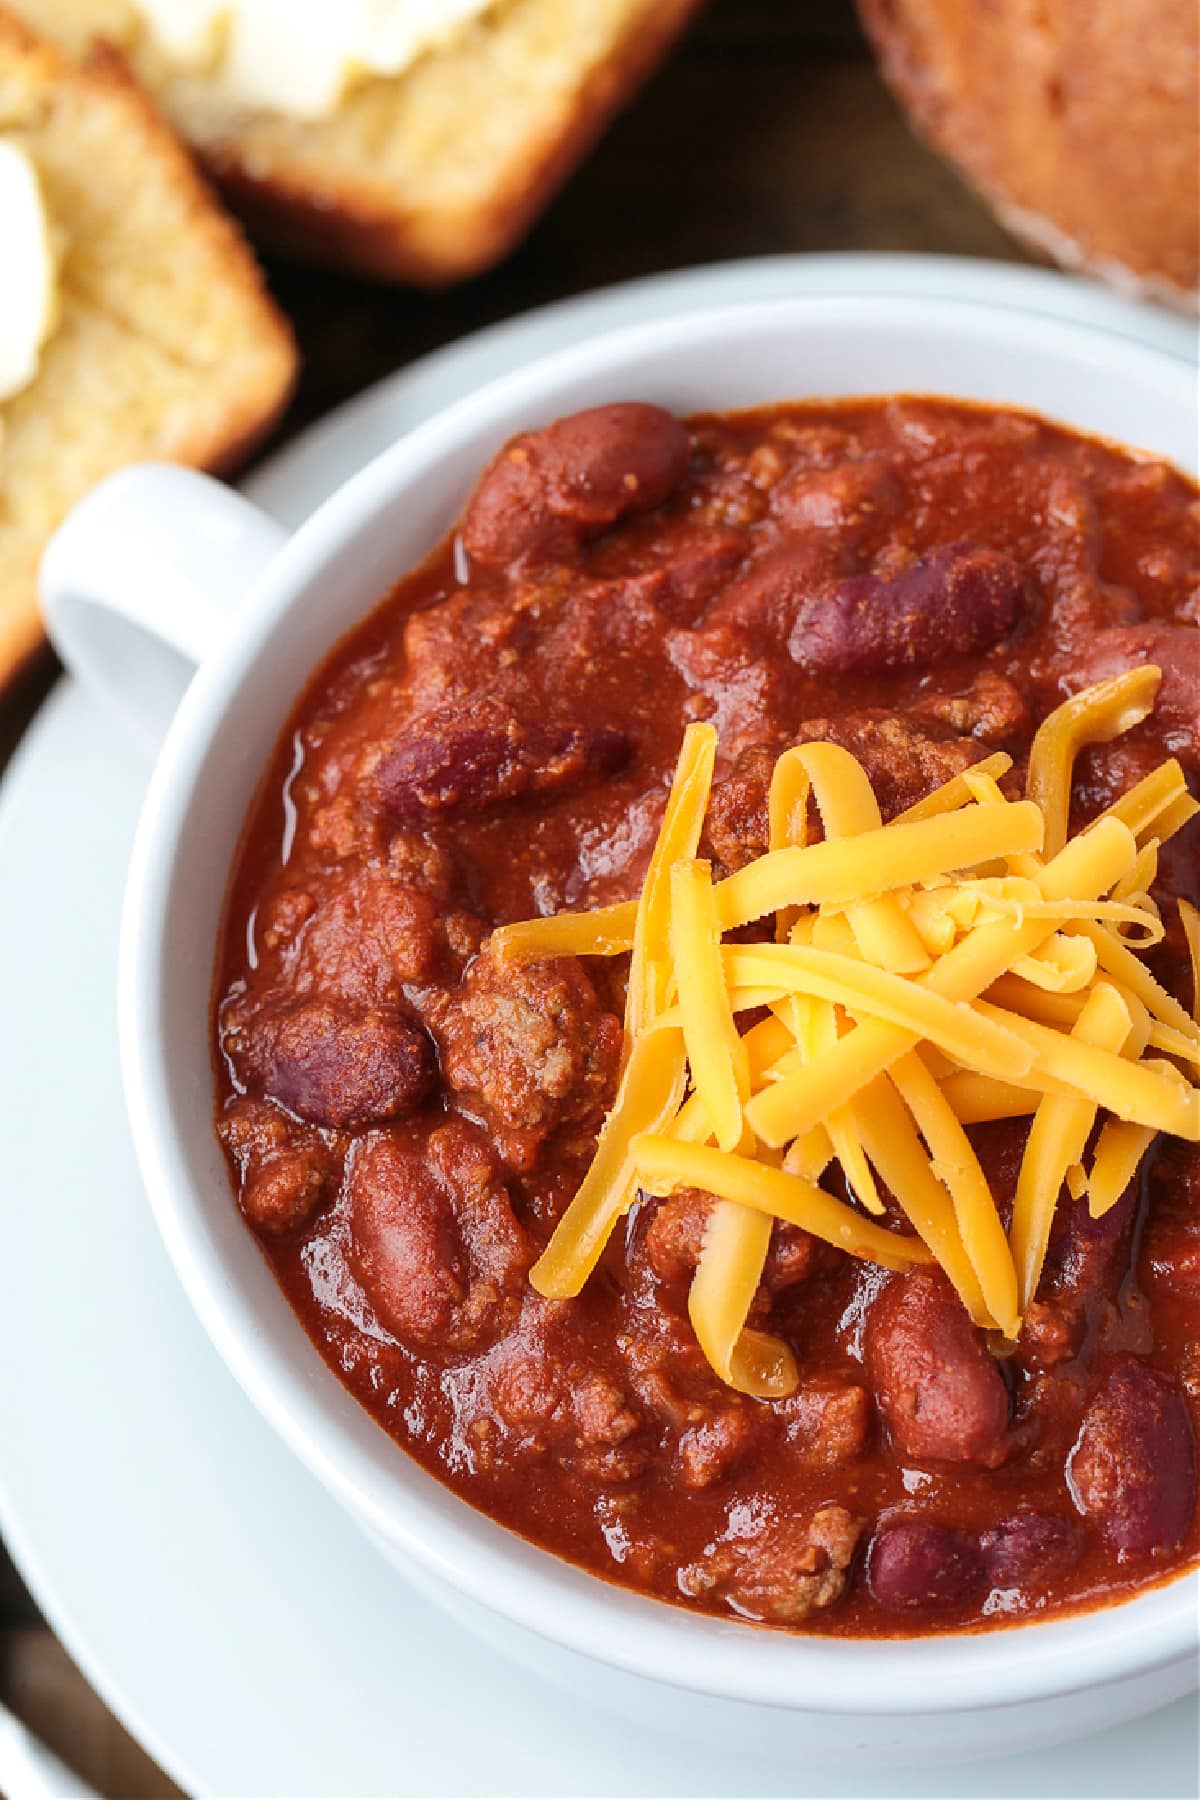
x=768 y=131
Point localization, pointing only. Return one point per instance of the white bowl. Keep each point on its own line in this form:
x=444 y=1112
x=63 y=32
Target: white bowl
x=141 y=581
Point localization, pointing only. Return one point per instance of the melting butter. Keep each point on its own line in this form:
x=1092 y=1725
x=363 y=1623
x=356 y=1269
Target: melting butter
x=261 y=55
x=29 y=288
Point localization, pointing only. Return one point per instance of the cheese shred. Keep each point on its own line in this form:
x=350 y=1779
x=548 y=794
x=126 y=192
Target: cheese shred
x=719 y=1064
x=1096 y=716
x=968 y=961
x=727 y=1275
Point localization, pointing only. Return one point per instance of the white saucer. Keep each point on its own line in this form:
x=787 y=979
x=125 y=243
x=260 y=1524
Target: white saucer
x=227 y=1610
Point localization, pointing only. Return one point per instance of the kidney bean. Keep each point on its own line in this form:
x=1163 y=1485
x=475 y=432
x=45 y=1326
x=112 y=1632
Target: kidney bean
x=1090 y=1256
x=433 y=1239
x=1176 y=650
x=337 y=1068
x=404 y=1249
x=1133 y=1469
x=764 y=602
x=1030 y=1547
x=958 y=601
x=941 y=1395
x=1171 y=1241
x=916 y=1565
x=450 y=766
x=546 y=490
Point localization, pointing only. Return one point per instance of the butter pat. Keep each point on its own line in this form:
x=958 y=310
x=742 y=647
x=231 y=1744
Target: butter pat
x=29 y=289
x=264 y=58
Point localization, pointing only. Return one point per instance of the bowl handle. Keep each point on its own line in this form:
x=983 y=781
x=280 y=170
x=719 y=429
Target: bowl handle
x=141 y=580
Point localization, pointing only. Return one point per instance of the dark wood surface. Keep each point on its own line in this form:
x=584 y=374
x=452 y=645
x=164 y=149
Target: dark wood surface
x=767 y=132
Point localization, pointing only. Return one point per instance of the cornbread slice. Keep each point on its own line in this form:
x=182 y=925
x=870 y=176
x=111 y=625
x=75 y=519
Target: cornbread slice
x=166 y=345
x=426 y=176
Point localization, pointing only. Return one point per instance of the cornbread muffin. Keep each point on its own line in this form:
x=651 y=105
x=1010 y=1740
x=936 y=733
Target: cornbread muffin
x=1076 y=120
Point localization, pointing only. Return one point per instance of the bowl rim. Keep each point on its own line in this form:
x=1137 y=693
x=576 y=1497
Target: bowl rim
x=394 y=1498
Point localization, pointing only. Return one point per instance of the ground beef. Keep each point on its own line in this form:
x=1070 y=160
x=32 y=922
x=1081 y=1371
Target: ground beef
x=528 y=1047
x=788 y=1569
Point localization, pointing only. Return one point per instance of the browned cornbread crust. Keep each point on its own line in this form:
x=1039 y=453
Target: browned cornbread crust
x=167 y=344
x=1076 y=119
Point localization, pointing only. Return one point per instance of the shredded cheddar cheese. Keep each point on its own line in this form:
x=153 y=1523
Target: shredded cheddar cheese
x=678 y=838
x=606 y=932
x=815 y=1030
x=719 y=1063
x=730 y=1268
x=1191 y=927
x=957 y=791
x=1147 y=800
x=1061 y=1127
x=966 y=962
x=954 y=1162
x=845 y=870
x=649 y=1097
x=665 y=1165
x=1096 y=716
x=1088 y=865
